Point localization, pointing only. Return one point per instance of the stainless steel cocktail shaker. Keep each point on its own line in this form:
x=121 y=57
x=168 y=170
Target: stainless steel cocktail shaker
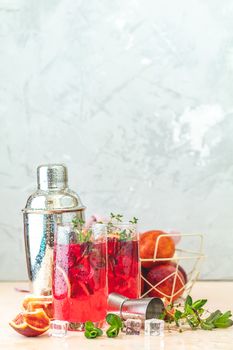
x=52 y=203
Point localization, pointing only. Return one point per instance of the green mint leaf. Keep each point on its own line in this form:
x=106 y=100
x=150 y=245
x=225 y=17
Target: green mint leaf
x=114 y=320
x=91 y=331
x=223 y=321
x=89 y=325
x=91 y=334
x=201 y=311
x=199 y=303
x=99 y=331
x=112 y=332
x=188 y=310
x=178 y=314
x=87 y=334
x=207 y=326
x=110 y=318
x=188 y=302
x=226 y=315
x=213 y=316
x=193 y=322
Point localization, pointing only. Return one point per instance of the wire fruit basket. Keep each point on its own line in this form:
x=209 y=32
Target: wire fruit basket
x=173 y=277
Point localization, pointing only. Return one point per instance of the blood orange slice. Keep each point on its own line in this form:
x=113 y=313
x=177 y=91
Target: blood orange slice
x=32 y=298
x=31 y=324
x=61 y=284
x=46 y=306
x=32 y=303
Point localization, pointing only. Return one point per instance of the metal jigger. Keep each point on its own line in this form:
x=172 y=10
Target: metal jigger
x=144 y=309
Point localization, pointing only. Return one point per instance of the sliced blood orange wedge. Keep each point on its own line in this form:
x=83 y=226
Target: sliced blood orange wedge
x=32 y=298
x=31 y=323
x=47 y=306
x=62 y=287
x=32 y=303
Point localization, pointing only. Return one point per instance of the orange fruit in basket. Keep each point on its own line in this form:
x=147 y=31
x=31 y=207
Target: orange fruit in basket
x=147 y=246
x=31 y=323
x=168 y=282
x=32 y=303
x=182 y=271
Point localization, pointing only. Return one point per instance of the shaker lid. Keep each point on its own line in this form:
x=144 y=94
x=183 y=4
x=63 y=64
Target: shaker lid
x=52 y=176
x=46 y=201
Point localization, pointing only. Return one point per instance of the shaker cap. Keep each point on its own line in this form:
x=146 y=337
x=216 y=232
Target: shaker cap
x=52 y=176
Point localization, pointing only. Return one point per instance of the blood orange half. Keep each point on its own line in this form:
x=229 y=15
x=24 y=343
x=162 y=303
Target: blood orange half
x=31 y=324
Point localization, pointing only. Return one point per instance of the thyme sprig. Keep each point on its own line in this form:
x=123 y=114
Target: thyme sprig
x=193 y=314
x=124 y=234
x=133 y=221
x=117 y=217
x=81 y=235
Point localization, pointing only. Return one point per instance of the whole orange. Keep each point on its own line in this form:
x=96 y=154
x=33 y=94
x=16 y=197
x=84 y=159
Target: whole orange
x=147 y=246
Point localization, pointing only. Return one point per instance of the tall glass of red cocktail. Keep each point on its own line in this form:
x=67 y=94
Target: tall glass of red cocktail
x=123 y=259
x=79 y=275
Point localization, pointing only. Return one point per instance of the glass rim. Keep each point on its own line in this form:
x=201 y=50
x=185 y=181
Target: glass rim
x=123 y=223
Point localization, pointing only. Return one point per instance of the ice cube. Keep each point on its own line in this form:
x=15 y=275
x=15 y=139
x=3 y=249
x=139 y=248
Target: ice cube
x=154 y=326
x=133 y=326
x=58 y=328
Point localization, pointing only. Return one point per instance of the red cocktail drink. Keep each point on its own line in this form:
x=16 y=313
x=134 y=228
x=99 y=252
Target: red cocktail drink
x=79 y=280
x=123 y=268
x=123 y=260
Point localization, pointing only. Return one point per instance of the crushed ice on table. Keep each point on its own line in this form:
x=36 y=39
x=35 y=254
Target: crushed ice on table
x=154 y=327
x=58 y=328
x=133 y=326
